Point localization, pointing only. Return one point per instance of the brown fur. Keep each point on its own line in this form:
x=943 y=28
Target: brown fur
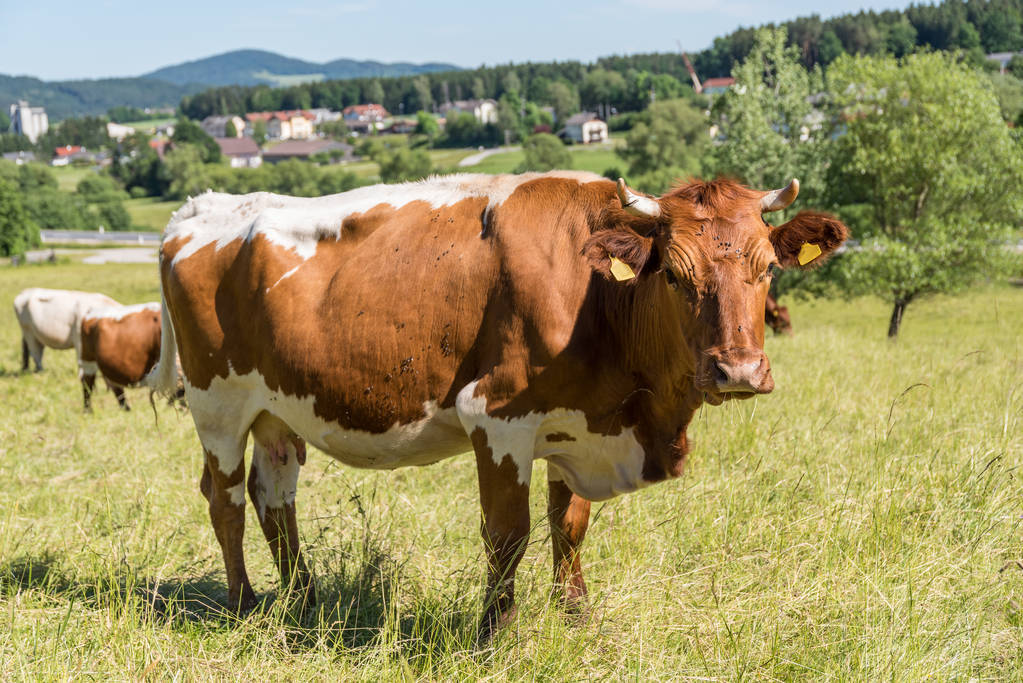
x=124 y=350
x=822 y=229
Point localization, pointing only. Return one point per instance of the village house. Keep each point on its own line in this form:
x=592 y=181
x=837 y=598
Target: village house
x=585 y=128
x=717 y=86
x=31 y=122
x=216 y=126
x=485 y=111
x=306 y=149
x=20 y=158
x=241 y=152
x=62 y=156
x=281 y=125
x=361 y=117
x=117 y=131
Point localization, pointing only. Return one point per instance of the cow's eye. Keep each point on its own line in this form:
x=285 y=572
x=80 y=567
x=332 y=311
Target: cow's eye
x=772 y=270
x=672 y=279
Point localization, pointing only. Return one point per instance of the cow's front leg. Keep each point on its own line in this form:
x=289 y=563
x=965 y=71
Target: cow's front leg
x=273 y=478
x=504 y=496
x=569 y=518
x=226 y=496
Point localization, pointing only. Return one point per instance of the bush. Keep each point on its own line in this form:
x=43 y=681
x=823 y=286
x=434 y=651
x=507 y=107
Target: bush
x=544 y=152
x=18 y=232
x=113 y=216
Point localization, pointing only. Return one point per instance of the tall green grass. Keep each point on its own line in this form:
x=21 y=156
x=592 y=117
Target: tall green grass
x=862 y=522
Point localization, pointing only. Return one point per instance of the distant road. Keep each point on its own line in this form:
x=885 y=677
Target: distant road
x=96 y=237
x=480 y=156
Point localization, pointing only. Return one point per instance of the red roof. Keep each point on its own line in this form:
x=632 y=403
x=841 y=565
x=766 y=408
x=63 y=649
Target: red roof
x=279 y=115
x=68 y=150
x=719 y=82
x=237 y=146
x=361 y=109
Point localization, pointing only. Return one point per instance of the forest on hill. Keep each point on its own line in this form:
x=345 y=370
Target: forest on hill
x=624 y=83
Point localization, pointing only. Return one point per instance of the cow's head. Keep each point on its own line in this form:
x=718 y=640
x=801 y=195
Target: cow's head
x=702 y=256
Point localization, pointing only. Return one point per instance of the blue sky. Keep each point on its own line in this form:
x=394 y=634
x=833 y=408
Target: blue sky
x=62 y=39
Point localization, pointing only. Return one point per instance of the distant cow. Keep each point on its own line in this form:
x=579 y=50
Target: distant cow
x=554 y=317
x=120 y=342
x=777 y=317
x=51 y=317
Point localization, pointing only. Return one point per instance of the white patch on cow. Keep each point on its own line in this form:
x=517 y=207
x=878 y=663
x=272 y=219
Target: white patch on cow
x=595 y=466
x=286 y=275
x=87 y=367
x=237 y=493
x=275 y=484
x=53 y=316
x=298 y=223
x=224 y=412
x=118 y=312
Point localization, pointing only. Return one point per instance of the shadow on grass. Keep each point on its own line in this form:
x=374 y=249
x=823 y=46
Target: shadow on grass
x=359 y=604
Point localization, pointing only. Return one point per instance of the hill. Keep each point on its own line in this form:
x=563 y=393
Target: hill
x=64 y=99
x=259 y=67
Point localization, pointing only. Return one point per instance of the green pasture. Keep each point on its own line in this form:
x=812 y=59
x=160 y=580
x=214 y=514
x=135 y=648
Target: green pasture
x=863 y=522
x=151 y=213
x=595 y=158
x=68 y=177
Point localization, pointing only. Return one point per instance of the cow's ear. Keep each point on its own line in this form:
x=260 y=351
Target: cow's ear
x=619 y=254
x=808 y=239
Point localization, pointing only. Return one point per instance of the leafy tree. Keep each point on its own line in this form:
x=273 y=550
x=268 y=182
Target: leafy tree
x=259 y=132
x=901 y=38
x=403 y=164
x=95 y=189
x=426 y=125
x=230 y=131
x=5 y=122
x=1015 y=66
x=59 y=210
x=423 y=97
x=602 y=88
x=338 y=130
x=113 y=216
x=1008 y=90
x=544 y=152
x=926 y=151
x=34 y=177
x=374 y=92
x=18 y=232
x=766 y=120
x=564 y=97
x=509 y=116
x=668 y=142
x=533 y=117
x=830 y=47
x=190 y=133
x=511 y=82
x=189 y=176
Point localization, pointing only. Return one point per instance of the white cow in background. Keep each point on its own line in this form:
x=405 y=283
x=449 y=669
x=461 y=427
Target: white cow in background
x=52 y=317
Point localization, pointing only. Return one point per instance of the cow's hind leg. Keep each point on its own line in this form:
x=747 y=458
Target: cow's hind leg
x=88 y=385
x=223 y=485
x=273 y=478
x=24 y=354
x=122 y=400
x=34 y=348
x=569 y=518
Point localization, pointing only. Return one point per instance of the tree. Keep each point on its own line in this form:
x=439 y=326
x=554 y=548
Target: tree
x=564 y=98
x=18 y=232
x=189 y=133
x=230 y=131
x=374 y=93
x=926 y=151
x=259 y=132
x=188 y=174
x=402 y=164
x=426 y=125
x=669 y=141
x=766 y=121
x=113 y=216
x=544 y=152
x=96 y=189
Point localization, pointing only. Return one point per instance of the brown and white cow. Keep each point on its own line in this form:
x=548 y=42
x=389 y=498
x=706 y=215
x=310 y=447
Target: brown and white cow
x=553 y=317
x=52 y=317
x=120 y=342
x=777 y=316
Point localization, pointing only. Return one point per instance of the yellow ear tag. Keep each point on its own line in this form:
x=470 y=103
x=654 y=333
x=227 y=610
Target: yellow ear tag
x=807 y=253
x=621 y=270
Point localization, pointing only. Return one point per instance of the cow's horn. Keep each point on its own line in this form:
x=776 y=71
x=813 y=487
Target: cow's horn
x=776 y=200
x=636 y=204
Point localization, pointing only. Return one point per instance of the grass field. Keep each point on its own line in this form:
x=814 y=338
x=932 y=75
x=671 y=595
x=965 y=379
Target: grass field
x=68 y=177
x=862 y=522
x=151 y=213
x=596 y=158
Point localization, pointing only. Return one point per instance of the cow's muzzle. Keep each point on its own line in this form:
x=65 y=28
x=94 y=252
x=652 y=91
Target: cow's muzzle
x=741 y=371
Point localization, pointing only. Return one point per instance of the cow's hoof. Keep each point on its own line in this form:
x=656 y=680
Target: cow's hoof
x=492 y=622
x=126 y=408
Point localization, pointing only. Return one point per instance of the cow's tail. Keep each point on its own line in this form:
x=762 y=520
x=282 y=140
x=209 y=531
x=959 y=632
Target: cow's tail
x=163 y=378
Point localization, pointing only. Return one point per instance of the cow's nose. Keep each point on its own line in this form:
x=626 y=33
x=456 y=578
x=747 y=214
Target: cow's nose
x=743 y=375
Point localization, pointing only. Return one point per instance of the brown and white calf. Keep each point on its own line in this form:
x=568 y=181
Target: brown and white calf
x=52 y=318
x=553 y=317
x=120 y=342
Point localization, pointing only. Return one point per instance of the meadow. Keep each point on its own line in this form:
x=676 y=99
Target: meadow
x=863 y=522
